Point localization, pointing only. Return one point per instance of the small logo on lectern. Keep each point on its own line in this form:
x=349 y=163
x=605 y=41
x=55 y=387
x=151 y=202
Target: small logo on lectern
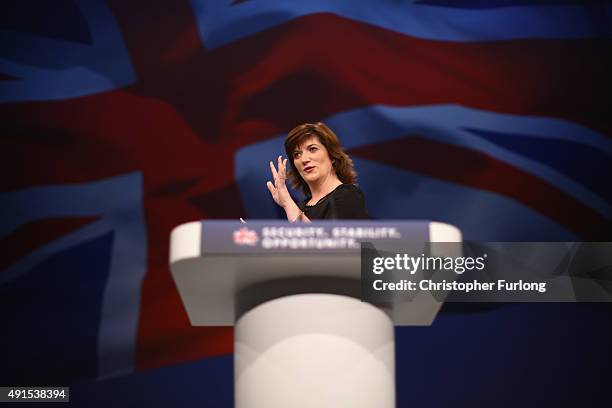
x=245 y=236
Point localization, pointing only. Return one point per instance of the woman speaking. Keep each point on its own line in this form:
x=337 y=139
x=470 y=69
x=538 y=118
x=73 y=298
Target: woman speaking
x=324 y=172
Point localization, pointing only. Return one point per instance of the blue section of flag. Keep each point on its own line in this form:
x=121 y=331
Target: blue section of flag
x=527 y=355
x=71 y=55
x=221 y=22
x=487 y=4
x=60 y=19
x=51 y=317
x=205 y=383
x=581 y=162
x=116 y=204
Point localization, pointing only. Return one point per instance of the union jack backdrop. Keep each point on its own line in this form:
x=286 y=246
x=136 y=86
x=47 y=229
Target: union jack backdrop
x=123 y=119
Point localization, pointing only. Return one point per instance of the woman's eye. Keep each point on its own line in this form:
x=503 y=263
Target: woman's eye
x=312 y=149
x=296 y=155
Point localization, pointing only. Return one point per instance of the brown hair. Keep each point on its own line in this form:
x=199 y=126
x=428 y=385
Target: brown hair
x=341 y=162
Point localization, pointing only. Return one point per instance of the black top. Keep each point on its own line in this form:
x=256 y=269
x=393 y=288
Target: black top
x=345 y=202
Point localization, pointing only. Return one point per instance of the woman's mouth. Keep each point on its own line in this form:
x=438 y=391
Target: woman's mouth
x=308 y=169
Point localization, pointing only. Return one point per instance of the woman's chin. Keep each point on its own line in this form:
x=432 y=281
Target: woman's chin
x=309 y=177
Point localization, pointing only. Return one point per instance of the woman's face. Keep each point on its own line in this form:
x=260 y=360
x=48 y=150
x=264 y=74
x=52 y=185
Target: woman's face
x=312 y=160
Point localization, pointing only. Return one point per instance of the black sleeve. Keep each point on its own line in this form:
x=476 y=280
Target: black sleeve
x=347 y=202
x=302 y=204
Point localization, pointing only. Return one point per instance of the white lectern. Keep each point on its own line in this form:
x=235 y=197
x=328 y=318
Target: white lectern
x=303 y=337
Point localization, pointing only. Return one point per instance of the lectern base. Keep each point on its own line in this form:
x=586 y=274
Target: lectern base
x=314 y=350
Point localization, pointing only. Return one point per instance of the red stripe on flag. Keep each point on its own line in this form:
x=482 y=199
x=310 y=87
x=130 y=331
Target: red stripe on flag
x=321 y=64
x=165 y=335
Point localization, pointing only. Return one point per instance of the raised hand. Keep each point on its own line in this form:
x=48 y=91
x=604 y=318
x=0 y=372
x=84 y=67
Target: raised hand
x=279 y=191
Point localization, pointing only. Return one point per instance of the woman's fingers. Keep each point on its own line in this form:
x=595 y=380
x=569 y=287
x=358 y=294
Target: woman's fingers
x=273 y=170
x=282 y=167
x=271 y=187
x=282 y=170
